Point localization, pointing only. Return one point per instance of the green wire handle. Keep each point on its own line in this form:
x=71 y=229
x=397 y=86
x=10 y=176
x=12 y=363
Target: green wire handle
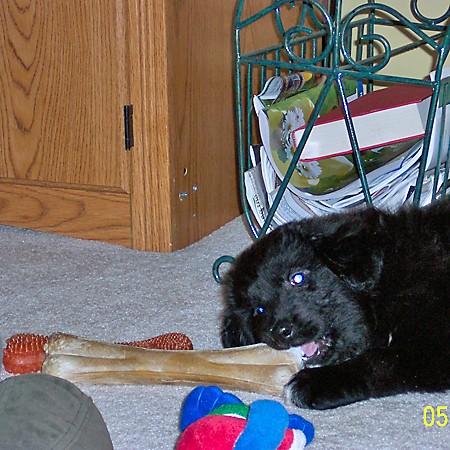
x=216 y=266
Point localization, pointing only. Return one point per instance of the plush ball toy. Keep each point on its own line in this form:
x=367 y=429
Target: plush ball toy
x=213 y=419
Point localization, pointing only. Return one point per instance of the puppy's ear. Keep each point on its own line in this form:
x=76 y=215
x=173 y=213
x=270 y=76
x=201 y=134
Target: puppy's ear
x=351 y=246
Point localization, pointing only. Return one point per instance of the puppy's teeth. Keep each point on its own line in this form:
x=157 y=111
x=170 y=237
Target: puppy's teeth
x=299 y=355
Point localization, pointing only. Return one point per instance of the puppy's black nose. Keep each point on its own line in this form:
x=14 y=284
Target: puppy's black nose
x=283 y=329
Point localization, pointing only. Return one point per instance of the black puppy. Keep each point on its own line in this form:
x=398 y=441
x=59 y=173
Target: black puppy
x=365 y=293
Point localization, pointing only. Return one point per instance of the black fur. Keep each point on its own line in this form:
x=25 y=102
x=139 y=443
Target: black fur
x=375 y=300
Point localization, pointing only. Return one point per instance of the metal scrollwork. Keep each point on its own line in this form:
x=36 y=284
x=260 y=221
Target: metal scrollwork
x=428 y=20
x=292 y=36
x=313 y=22
x=307 y=11
x=383 y=57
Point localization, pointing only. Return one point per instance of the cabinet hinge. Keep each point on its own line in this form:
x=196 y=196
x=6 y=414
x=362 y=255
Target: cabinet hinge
x=128 y=123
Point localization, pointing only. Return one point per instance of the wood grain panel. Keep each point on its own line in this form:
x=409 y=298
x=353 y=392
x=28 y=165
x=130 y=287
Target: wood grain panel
x=151 y=166
x=67 y=67
x=62 y=90
x=82 y=213
x=182 y=89
x=202 y=124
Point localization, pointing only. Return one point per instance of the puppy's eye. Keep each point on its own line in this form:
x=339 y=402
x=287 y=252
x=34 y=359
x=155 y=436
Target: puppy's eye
x=260 y=310
x=297 y=278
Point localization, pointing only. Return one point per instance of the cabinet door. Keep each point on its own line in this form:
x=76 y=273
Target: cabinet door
x=63 y=84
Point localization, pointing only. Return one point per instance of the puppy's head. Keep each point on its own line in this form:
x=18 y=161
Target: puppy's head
x=301 y=285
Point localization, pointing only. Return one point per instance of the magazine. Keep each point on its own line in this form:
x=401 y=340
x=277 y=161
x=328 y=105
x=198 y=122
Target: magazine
x=282 y=87
x=315 y=177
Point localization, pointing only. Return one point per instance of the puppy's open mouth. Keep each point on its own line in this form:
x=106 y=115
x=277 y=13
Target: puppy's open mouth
x=313 y=350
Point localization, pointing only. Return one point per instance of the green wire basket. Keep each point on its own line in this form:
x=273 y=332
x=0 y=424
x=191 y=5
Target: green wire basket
x=312 y=36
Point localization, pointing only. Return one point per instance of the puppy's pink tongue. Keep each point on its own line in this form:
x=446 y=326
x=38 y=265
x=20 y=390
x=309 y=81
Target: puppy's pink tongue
x=309 y=349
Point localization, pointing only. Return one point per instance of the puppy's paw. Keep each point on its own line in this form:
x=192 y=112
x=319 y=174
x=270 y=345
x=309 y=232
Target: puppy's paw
x=301 y=390
x=316 y=389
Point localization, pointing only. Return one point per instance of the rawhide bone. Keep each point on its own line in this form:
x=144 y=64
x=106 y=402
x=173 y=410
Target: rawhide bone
x=256 y=368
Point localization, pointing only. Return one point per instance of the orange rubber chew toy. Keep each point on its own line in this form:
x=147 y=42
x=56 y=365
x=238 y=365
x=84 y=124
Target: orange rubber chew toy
x=25 y=353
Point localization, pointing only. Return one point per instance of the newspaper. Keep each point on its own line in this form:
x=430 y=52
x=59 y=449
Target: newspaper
x=255 y=192
x=389 y=188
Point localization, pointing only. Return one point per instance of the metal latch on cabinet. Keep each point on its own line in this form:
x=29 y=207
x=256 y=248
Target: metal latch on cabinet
x=128 y=124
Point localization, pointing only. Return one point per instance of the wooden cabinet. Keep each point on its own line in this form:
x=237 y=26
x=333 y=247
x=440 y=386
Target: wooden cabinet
x=67 y=68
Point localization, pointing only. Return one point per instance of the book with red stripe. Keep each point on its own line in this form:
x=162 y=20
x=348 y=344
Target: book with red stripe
x=383 y=117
